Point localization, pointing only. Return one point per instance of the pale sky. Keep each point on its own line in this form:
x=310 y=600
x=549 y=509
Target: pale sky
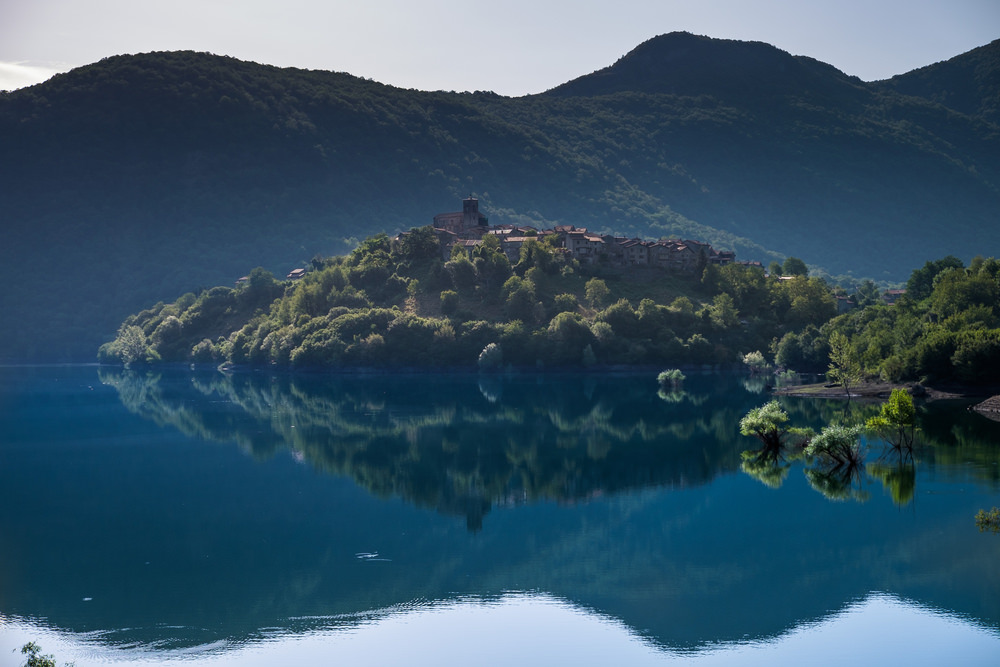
x=513 y=48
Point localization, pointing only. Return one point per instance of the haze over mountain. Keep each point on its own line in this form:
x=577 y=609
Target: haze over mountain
x=141 y=177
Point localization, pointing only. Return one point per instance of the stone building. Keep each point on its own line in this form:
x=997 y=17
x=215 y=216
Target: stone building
x=467 y=226
x=468 y=221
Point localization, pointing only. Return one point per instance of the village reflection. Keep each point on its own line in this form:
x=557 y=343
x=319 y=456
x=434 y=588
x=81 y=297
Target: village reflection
x=460 y=445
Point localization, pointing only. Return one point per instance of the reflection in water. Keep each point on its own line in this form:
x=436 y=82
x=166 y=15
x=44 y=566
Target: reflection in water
x=898 y=475
x=768 y=471
x=838 y=483
x=423 y=439
x=879 y=629
x=624 y=515
x=943 y=434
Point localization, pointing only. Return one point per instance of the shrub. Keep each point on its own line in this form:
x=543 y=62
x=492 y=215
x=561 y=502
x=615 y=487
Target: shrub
x=491 y=358
x=565 y=303
x=755 y=361
x=597 y=292
x=449 y=302
x=988 y=520
x=672 y=377
x=837 y=446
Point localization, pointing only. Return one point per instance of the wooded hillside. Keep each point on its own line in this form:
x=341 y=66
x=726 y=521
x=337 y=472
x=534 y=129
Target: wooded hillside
x=141 y=177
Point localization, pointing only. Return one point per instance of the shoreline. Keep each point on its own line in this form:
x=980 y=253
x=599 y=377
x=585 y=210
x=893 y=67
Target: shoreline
x=870 y=391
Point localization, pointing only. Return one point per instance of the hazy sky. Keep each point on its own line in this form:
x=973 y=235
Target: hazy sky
x=513 y=47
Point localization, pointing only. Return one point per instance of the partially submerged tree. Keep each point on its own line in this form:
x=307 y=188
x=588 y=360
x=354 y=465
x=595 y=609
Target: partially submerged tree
x=837 y=446
x=988 y=520
x=840 y=458
x=767 y=423
x=670 y=378
x=896 y=423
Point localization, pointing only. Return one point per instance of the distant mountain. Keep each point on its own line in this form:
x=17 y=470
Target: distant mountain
x=141 y=177
x=968 y=84
x=683 y=64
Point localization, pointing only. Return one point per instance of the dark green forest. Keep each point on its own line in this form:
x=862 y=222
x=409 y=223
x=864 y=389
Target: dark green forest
x=944 y=330
x=397 y=303
x=141 y=177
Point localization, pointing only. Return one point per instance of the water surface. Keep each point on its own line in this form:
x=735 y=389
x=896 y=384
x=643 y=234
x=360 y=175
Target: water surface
x=214 y=519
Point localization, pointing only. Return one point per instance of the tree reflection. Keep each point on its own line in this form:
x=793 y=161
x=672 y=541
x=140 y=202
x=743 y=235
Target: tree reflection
x=768 y=472
x=899 y=479
x=837 y=484
x=459 y=445
x=895 y=430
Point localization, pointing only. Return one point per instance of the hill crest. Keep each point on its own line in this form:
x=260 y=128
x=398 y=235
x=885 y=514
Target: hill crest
x=140 y=177
x=681 y=63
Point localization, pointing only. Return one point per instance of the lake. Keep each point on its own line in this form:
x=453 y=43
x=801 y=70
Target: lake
x=203 y=518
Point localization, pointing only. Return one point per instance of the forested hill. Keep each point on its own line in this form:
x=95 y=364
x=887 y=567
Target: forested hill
x=141 y=177
x=968 y=84
x=745 y=73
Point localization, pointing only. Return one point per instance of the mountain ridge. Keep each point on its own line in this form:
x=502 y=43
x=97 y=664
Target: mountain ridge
x=682 y=63
x=968 y=83
x=137 y=178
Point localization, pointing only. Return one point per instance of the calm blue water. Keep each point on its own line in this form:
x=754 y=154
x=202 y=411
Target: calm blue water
x=248 y=519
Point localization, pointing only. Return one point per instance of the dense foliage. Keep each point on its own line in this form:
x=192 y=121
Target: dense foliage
x=397 y=302
x=141 y=177
x=834 y=457
x=946 y=328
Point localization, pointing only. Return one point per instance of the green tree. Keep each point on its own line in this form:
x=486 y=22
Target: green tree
x=956 y=290
x=462 y=272
x=867 y=294
x=492 y=265
x=809 y=300
x=670 y=378
x=420 y=243
x=491 y=358
x=449 y=302
x=36 y=658
x=373 y=251
x=723 y=312
x=896 y=420
x=519 y=303
x=837 y=446
x=921 y=281
x=845 y=367
x=756 y=362
x=988 y=520
x=597 y=292
x=565 y=303
x=767 y=423
x=623 y=320
x=131 y=344
x=794 y=266
x=536 y=254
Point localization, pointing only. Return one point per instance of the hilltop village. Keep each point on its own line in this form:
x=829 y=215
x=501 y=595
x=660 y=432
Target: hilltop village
x=468 y=227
